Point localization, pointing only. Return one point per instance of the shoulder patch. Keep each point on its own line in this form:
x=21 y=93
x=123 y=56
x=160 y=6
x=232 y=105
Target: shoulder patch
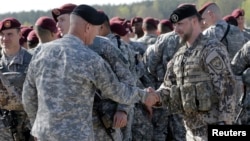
x=217 y=63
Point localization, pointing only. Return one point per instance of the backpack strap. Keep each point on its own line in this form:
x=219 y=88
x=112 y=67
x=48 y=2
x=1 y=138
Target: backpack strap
x=224 y=39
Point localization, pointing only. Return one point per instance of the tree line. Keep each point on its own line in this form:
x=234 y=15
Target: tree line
x=159 y=9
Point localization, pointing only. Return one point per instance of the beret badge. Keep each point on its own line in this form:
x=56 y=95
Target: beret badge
x=7 y=24
x=56 y=12
x=174 y=18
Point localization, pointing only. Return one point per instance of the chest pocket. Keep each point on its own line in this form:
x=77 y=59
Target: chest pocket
x=196 y=97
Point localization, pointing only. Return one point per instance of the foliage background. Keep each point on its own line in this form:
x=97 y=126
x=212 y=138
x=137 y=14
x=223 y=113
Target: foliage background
x=160 y=9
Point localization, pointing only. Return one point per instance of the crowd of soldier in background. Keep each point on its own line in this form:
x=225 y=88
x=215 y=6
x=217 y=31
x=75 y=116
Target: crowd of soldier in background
x=139 y=52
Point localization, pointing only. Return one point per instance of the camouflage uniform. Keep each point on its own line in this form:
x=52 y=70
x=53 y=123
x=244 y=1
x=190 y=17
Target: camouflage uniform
x=138 y=47
x=202 y=71
x=233 y=42
x=104 y=47
x=218 y=30
x=134 y=67
x=59 y=89
x=240 y=63
x=14 y=69
x=148 y=39
x=163 y=51
x=142 y=125
x=246 y=35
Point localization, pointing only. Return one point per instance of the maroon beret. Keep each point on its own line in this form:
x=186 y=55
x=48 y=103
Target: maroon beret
x=167 y=23
x=32 y=37
x=238 y=12
x=204 y=7
x=46 y=23
x=9 y=23
x=150 y=21
x=231 y=20
x=117 y=19
x=127 y=25
x=118 y=28
x=136 y=20
x=64 y=9
x=25 y=30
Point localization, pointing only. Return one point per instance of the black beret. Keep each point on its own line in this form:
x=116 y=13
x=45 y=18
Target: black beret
x=183 y=12
x=89 y=14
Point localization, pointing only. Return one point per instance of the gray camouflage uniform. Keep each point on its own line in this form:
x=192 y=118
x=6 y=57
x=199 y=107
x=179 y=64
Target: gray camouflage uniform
x=107 y=50
x=148 y=39
x=14 y=70
x=240 y=63
x=203 y=71
x=129 y=55
x=165 y=47
x=143 y=129
x=59 y=90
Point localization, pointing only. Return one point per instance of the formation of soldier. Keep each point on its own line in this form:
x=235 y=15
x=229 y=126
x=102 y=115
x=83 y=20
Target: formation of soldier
x=82 y=75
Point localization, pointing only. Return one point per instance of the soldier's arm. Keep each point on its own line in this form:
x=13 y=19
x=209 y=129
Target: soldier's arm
x=29 y=95
x=107 y=82
x=217 y=63
x=169 y=80
x=241 y=60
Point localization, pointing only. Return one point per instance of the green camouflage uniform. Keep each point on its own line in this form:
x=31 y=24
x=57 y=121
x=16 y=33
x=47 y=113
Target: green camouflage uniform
x=199 y=84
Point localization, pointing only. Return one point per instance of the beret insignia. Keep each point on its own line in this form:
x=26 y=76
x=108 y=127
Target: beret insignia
x=7 y=24
x=174 y=18
x=56 y=12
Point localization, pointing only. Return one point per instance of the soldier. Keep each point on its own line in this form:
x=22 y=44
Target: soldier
x=216 y=27
x=239 y=14
x=14 y=124
x=200 y=68
x=117 y=113
x=46 y=29
x=149 y=28
x=164 y=26
x=128 y=59
x=61 y=16
x=165 y=47
x=229 y=35
x=62 y=78
x=240 y=66
x=136 y=24
x=25 y=30
x=32 y=40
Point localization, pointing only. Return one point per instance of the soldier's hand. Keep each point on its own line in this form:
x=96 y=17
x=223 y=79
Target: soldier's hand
x=120 y=119
x=152 y=97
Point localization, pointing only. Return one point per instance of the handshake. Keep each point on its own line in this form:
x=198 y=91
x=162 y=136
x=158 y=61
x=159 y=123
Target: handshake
x=152 y=97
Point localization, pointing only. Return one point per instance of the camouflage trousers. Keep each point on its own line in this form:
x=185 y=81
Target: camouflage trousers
x=20 y=133
x=142 y=128
x=100 y=133
x=160 y=124
x=176 y=128
x=198 y=134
